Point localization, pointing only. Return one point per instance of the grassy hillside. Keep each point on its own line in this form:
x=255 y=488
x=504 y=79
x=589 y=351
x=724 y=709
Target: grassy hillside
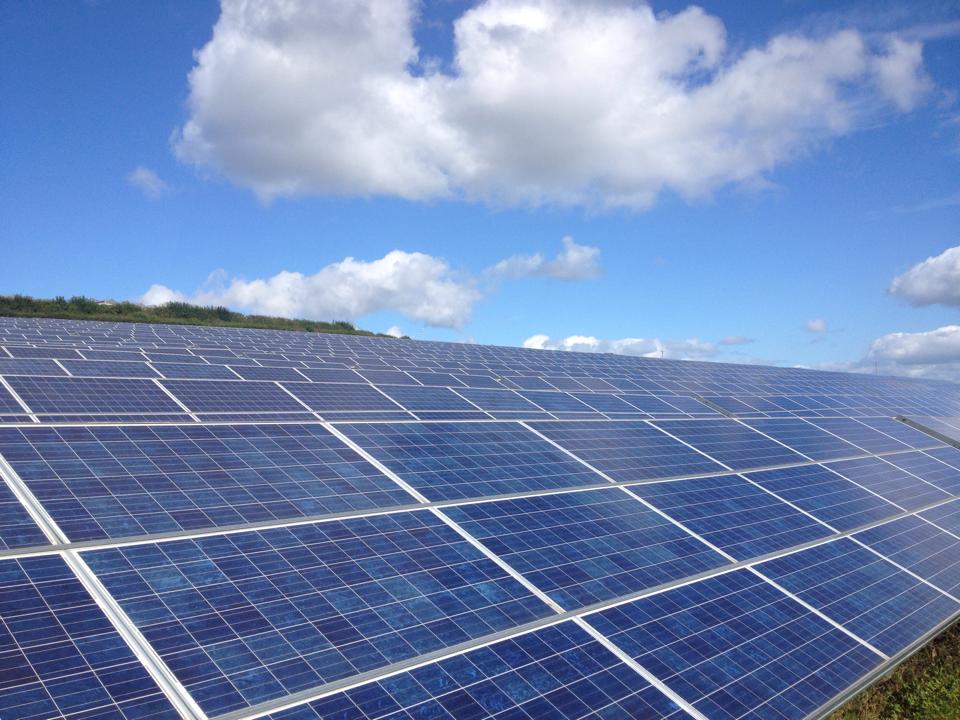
x=925 y=687
x=179 y=313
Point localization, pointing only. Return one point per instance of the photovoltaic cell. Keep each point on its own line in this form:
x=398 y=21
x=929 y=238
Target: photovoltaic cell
x=109 y=368
x=416 y=397
x=92 y=395
x=733 y=514
x=946 y=516
x=194 y=371
x=627 y=451
x=17 y=528
x=729 y=442
x=8 y=404
x=946 y=454
x=42 y=352
x=558 y=672
x=902 y=432
x=945 y=477
x=826 y=495
x=805 y=438
x=736 y=647
x=584 y=547
x=108 y=482
x=651 y=405
x=247 y=617
x=921 y=548
x=862 y=592
x=555 y=401
x=889 y=481
x=452 y=461
x=606 y=403
x=10 y=366
x=59 y=654
x=332 y=375
x=498 y=400
x=252 y=372
x=231 y=396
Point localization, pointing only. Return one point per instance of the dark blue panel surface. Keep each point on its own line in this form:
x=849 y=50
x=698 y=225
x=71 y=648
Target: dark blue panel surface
x=448 y=461
x=101 y=482
x=416 y=398
x=889 y=481
x=193 y=371
x=944 y=476
x=231 y=396
x=27 y=366
x=946 y=516
x=342 y=397
x=736 y=647
x=109 y=368
x=247 y=617
x=59 y=655
x=805 y=438
x=861 y=435
x=252 y=372
x=92 y=395
x=560 y=673
x=866 y=594
x=920 y=547
x=499 y=400
x=902 y=432
x=731 y=443
x=17 y=528
x=631 y=450
x=558 y=401
x=733 y=514
x=826 y=495
x=585 y=547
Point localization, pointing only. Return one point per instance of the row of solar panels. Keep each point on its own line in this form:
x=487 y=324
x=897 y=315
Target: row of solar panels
x=251 y=617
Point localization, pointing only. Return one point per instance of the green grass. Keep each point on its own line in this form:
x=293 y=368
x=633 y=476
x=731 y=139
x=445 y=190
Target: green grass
x=924 y=687
x=177 y=313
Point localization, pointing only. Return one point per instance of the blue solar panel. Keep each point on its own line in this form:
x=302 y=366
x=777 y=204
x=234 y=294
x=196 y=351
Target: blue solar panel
x=920 y=547
x=554 y=401
x=8 y=404
x=889 y=482
x=946 y=516
x=244 y=618
x=194 y=371
x=689 y=405
x=902 y=432
x=42 y=352
x=805 y=438
x=651 y=405
x=866 y=594
x=945 y=477
x=736 y=647
x=499 y=400
x=59 y=655
x=731 y=443
x=109 y=368
x=627 y=451
x=584 y=547
x=102 y=482
x=435 y=379
x=451 y=461
x=92 y=395
x=231 y=396
x=825 y=495
x=392 y=377
x=332 y=375
x=861 y=435
x=559 y=672
x=946 y=454
x=607 y=403
x=333 y=397
x=30 y=367
x=733 y=514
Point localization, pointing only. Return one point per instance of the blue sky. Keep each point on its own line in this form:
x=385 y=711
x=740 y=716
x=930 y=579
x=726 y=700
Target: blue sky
x=732 y=173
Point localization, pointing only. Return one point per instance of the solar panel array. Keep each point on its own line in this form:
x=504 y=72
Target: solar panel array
x=236 y=524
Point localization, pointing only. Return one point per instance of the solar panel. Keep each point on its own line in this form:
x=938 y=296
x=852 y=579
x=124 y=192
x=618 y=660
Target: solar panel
x=733 y=514
x=450 y=461
x=554 y=401
x=727 y=441
x=102 y=482
x=805 y=438
x=627 y=451
x=10 y=366
x=231 y=396
x=60 y=656
x=331 y=397
x=331 y=375
x=584 y=547
x=415 y=398
x=863 y=436
x=244 y=618
x=17 y=528
x=253 y=372
x=92 y=395
x=194 y=371
x=736 y=647
x=557 y=672
x=862 y=592
x=826 y=495
x=946 y=516
x=499 y=400
x=109 y=368
x=889 y=482
x=943 y=476
x=902 y=432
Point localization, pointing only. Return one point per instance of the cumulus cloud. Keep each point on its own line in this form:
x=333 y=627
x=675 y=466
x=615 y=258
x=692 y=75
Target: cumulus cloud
x=934 y=281
x=394 y=331
x=421 y=287
x=148 y=182
x=547 y=101
x=691 y=349
x=816 y=326
x=574 y=262
x=930 y=354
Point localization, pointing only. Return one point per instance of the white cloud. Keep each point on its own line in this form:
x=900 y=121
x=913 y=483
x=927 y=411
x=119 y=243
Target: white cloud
x=421 y=287
x=735 y=340
x=932 y=354
x=549 y=101
x=935 y=280
x=816 y=326
x=148 y=182
x=691 y=349
x=394 y=331
x=574 y=262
